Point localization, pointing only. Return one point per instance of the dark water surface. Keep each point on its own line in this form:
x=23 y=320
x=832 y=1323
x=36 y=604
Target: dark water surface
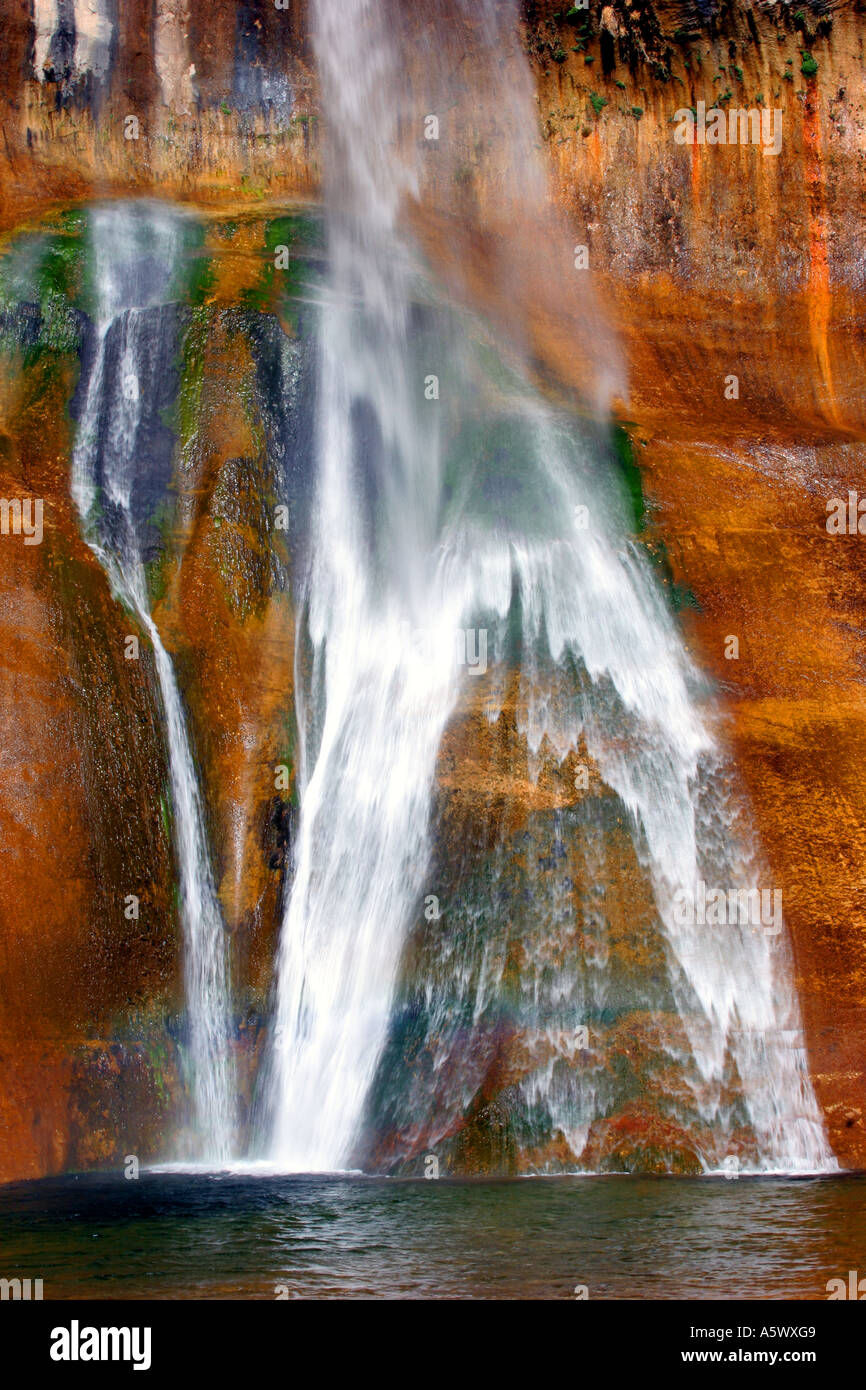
x=228 y=1236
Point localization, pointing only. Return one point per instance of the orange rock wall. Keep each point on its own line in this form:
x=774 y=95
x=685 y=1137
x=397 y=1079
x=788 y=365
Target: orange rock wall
x=709 y=261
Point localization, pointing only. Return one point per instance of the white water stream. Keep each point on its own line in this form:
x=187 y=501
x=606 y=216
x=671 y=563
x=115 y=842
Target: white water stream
x=135 y=252
x=397 y=548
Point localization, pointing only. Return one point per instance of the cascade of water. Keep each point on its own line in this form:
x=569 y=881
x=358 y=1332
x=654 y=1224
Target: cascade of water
x=602 y=669
x=403 y=544
x=135 y=251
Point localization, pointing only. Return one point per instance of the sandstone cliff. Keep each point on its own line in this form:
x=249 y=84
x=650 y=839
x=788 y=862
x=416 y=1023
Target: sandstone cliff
x=711 y=262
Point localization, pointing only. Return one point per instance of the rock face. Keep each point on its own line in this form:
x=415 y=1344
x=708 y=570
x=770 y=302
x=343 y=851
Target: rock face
x=88 y=989
x=735 y=281
x=90 y=1034
x=100 y=98
x=727 y=263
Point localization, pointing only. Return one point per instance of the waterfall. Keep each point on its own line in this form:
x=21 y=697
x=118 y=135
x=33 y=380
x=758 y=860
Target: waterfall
x=135 y=253
x=417 y=536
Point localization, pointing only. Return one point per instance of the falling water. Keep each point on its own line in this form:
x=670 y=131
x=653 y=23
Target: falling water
x=135 y=254
x=407 y=550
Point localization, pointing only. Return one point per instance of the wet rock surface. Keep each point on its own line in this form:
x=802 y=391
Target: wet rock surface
x=711 y=262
